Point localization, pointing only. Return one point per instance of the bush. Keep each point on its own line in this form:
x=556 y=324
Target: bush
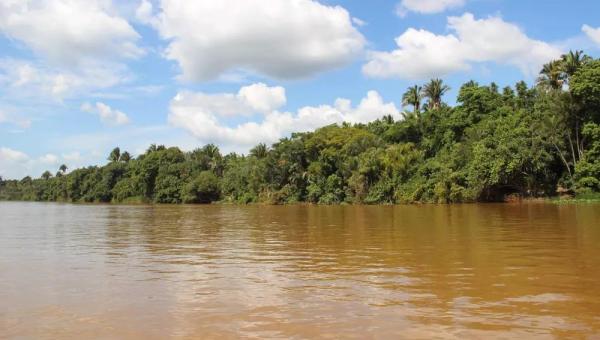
x=204 y=188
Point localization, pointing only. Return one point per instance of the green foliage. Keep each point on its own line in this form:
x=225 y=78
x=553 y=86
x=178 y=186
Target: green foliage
x=585 y=84
x=203 y=189
x=115 y=155
x=522 y=140
x=587 y=172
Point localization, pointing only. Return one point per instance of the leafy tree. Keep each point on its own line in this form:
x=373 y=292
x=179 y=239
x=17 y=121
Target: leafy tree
x=587 y=172
x=585 y=87
x=522 y=140
x=203 y=189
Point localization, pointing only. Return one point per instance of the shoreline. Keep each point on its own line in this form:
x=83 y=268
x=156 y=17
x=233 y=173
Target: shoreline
x=594 y=199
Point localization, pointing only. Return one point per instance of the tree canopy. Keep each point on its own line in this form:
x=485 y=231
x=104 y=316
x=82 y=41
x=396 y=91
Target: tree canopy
x=528 y=141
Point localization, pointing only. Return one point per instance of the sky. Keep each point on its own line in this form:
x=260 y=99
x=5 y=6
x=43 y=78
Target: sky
x=80 y=77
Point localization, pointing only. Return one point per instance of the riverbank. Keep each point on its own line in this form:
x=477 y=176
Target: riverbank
x=582 y=198
x=579 y=199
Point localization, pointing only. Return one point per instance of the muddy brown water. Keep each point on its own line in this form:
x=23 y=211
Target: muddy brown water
x=433 y=271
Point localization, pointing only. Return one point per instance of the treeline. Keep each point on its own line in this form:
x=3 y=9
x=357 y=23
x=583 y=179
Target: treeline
x=532 y=142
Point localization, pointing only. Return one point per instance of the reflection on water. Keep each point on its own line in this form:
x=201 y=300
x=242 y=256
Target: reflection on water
x=102 y=271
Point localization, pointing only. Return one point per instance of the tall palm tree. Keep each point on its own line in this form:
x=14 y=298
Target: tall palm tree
x=62 y=168
x=115 y=154
x=125 y=157
x=211 y=151
x=572 y=62
x=552 y=76
x=259 y=151
x=46 y=175
x=388 y=119
x=413 y=97
x=434 y=91
x=213 y=157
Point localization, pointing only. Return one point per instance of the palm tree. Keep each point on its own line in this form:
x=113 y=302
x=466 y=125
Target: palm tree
x=413 y=97
x=214 y=158
x=552 y=76
x=259 y=151
x=494 y=87
x=46 y=175
x=572 y=61
x=211 y=151
x=115 y=154
x=63 y=168
x=434 y=91
x=125 y=157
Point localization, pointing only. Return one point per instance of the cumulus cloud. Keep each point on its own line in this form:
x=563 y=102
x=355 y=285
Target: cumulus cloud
x=17 y=164
x=255 y=98
x=201 y=114
x=275 y=38
x=74 y=156
x=80 y=47
x=10 y=155
x=13 y=163
x=423 y=54
x=107 y=114
x=26 y=79
x=427 y=6
x=68 y=32
x=592 y=33
x=11 y=119
x=49 y=159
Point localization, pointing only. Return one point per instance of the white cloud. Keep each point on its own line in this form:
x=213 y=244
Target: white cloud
x=17 y=164
x=49 y=159
x=107 y=114
x=30 y=80
x=201 y=114
x=144 y=13
x=592 y=33
x=69 y=32
x=358 y=22
x=11 y=119
x=10 y=155
x=275 y=38
x=255 y=98
x=423 y=54
x=74 y=156
x=80 y=47
x=13 y=163
x=262 y=98
x=427 y=6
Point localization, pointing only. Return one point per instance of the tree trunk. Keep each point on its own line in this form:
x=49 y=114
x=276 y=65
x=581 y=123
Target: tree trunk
x=562 y=157
x=572 y=148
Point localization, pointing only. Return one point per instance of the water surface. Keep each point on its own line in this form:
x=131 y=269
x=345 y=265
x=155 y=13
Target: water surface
x=156 y=272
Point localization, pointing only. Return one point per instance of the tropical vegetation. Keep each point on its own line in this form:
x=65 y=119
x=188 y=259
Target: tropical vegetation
x=525 y=141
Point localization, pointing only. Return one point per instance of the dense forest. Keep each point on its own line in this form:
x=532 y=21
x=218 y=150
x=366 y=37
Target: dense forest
x=527 y=142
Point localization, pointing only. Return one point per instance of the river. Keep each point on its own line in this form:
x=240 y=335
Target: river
x=359 y=272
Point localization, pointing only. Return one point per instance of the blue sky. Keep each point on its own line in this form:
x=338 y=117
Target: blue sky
x=79 y=77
